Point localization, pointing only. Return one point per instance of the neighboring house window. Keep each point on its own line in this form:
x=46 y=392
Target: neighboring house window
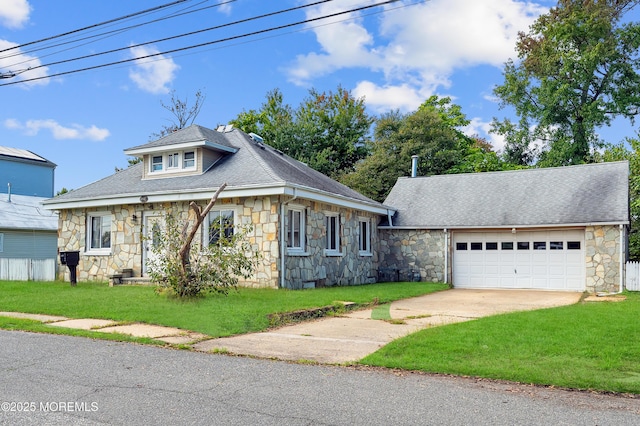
x=333 y=235
x=296 y=229
x=173 y=161
x=99 y=235
x=364 y=237
x=1 y=243
x=189 y=160
x=220 y=222
x=156 y=163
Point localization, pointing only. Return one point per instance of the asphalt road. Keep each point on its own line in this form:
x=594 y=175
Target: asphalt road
x=63 y=380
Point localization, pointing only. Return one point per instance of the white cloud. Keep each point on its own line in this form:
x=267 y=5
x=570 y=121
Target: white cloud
x=417 y=48
x=382 y=99
x=152 y=74
x=14 y=13
x=15 y=61
x=75 y=131
x=480 y=127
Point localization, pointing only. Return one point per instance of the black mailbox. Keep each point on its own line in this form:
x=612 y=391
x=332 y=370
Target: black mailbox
x=71 y=259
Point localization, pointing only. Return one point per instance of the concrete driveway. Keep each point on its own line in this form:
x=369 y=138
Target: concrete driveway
x=355 y=335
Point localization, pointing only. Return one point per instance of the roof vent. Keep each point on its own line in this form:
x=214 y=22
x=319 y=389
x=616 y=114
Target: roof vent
x=414 y=165
x=256 y=138
x=225 y=128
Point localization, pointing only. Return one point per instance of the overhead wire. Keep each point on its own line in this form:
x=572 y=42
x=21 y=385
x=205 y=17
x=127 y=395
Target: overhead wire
x=217 y=27
x=164 y=6
x=107 y=34
x=195 y=46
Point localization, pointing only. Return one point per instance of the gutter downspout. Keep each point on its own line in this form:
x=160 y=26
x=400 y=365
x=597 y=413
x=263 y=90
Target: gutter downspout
x=446 y=256
x=389 y=218
x=282 y=242
x=622 y=253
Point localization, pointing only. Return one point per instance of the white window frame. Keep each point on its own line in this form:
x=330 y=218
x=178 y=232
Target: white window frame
x=152 y=164
x=332 y=238
x=217 y=209
x=185 y=159
x=301 y=212
x=364 y=238
x=89 y=234
x=173 y=161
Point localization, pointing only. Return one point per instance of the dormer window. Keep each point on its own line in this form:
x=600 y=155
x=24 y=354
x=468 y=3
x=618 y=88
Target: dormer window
x=156 y=163
x=172 y=162
x=189 y=160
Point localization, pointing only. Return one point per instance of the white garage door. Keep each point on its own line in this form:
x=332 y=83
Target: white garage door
x=550 y=260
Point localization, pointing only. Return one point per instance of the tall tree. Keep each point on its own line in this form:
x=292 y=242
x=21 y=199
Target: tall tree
x=577 y=71
x=431 y=133
x=183 y=113
x=328 y=131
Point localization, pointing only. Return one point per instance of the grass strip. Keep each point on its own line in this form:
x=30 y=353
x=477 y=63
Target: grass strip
x=243 y=311
x=590 y=345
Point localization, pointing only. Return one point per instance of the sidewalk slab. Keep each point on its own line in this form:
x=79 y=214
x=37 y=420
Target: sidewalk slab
x=144 y=330
x=35 y=317
x=84 y=324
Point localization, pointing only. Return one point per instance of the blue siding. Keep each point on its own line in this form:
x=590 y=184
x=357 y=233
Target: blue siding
x=27 y=178
x=29 y=244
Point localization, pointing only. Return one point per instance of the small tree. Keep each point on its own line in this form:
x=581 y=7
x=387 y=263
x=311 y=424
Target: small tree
x=190 y=269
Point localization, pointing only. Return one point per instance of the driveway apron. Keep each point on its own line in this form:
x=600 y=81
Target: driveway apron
x=353 y=336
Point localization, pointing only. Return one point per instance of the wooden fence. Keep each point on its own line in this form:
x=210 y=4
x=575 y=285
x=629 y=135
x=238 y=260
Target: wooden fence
x=632 y=278
x=27 y=269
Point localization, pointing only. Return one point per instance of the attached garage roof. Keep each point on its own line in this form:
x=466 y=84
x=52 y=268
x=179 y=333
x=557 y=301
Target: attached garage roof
x=573 y=195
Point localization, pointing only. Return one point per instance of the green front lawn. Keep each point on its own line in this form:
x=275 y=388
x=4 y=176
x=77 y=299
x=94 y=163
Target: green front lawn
x=216 y=315
x=590 y=345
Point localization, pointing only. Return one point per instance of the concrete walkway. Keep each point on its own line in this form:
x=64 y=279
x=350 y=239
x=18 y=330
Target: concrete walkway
x=353 y=336
x=336 y=340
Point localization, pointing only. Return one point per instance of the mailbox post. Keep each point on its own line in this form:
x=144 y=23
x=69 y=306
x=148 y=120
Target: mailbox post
x=71 y=259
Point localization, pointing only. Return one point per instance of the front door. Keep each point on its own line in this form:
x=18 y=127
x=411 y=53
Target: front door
x=153 y=224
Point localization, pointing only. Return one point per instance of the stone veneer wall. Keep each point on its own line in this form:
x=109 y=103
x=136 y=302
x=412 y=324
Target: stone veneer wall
x=413 y=249
x=314 y=266
x=126 y=238
x=603 y=250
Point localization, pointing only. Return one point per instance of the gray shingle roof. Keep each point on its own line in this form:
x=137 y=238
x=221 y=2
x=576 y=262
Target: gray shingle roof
x=193 y=133
x=592 y=193
x=26 y=212
x=253 y=165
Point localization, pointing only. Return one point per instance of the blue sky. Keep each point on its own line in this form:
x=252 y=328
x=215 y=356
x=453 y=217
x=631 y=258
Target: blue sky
x=395 y=55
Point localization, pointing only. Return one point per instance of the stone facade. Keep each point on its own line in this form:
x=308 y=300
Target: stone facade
x=263 y=213
x=315 y=267
x=603 y=245
x=407 y=250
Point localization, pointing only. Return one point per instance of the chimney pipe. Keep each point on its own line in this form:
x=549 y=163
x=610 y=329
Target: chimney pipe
x=414 y=166
x=9 y=192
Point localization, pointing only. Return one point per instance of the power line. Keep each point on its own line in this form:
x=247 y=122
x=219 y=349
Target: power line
x=108 y=33
x=241 y=21
x=142 y=12
x=280 y=27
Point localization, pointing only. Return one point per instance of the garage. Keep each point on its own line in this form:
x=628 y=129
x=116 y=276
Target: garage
x=546 y=260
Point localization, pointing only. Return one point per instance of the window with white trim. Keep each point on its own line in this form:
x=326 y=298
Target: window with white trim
x=221 y=223
x=332 y=223
x=173 y=161
x=99 y=232
x=189 y=160
x=156 y=163
x=296 y=229
x=364 y=237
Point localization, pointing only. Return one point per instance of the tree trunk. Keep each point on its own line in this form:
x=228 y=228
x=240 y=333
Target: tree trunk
x=200 y=217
